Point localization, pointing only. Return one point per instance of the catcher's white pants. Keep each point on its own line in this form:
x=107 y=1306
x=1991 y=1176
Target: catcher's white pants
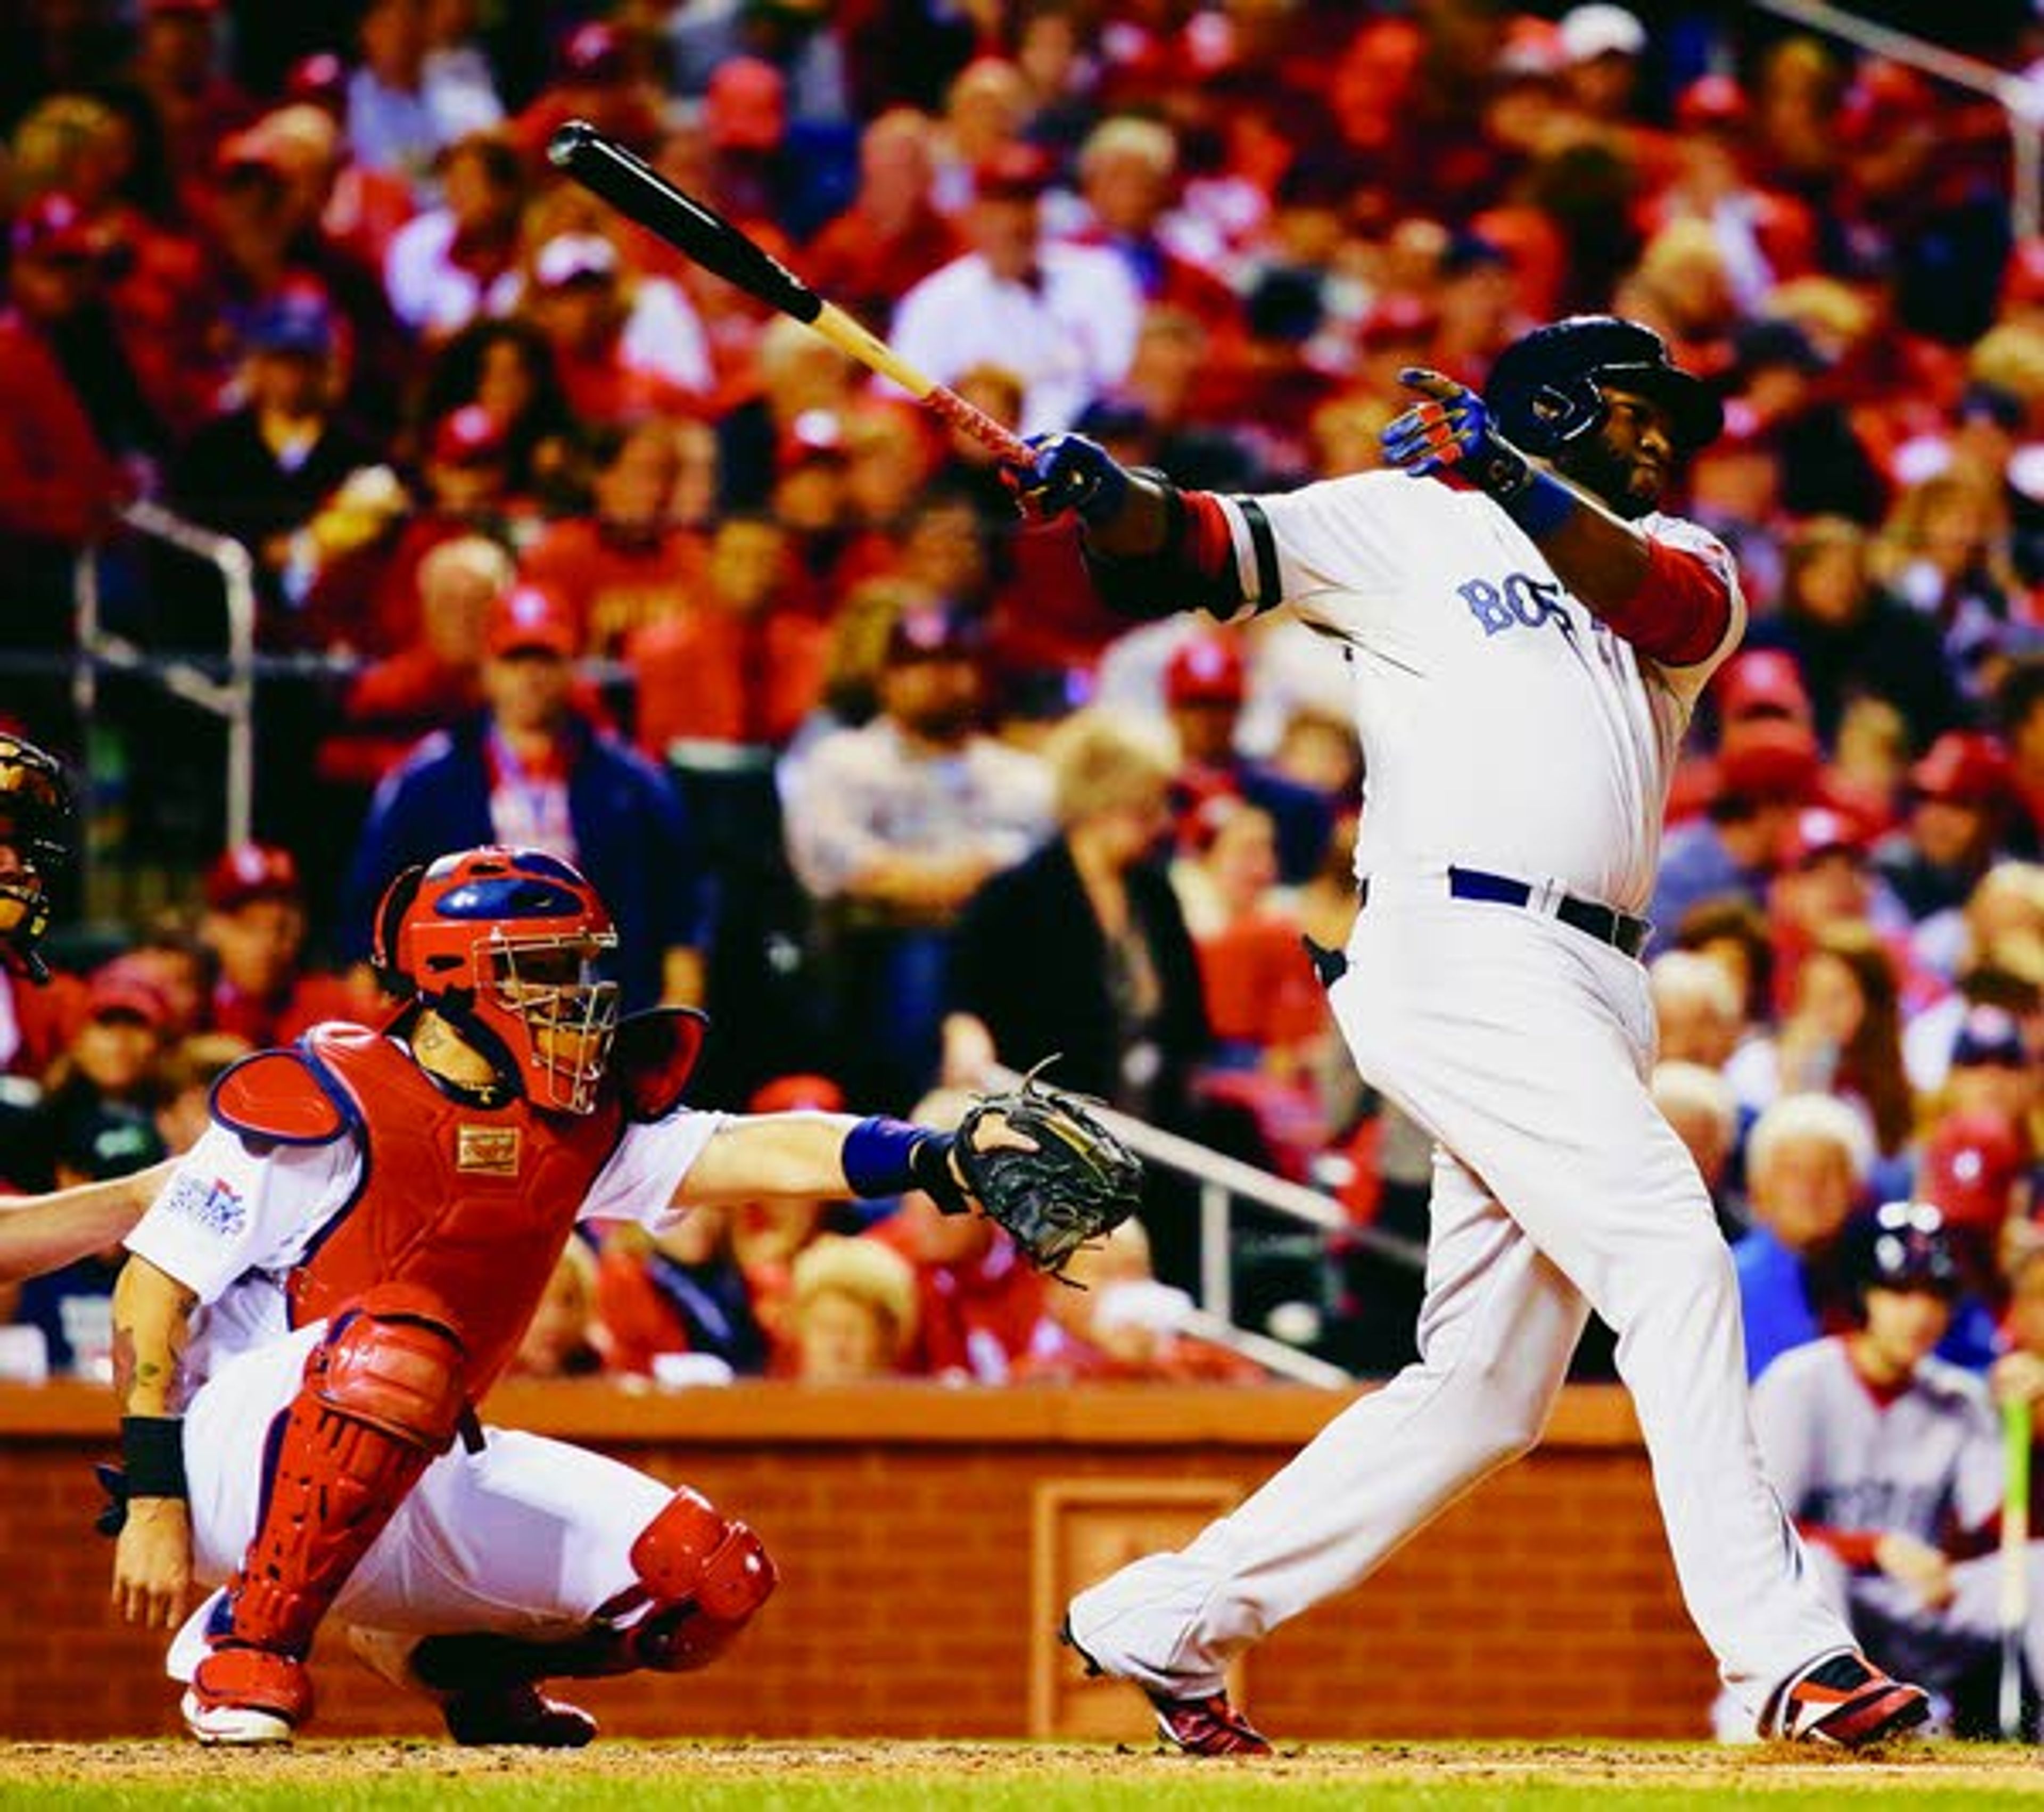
x=527 y=1537
x=1524 y=1047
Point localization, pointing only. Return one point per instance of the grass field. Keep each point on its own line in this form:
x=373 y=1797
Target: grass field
x=1011 y=1777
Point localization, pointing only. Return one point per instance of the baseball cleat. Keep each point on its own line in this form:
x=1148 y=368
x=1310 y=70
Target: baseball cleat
x=246 y=1696
x=1203 y=1726
x=521 y=1716
x=1846 y=1700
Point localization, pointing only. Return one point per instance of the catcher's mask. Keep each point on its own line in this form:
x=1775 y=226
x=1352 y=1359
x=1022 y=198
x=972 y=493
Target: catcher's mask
x=506 y=945
x=35 y=842
x=1546 y=389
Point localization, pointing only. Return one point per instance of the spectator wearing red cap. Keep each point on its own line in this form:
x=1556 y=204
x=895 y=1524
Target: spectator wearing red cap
x=1206 y=686
x=1824 y=879
x=602 y=73
x=254 y=929
x=1977 y=1166
x=1995 y=1070
x=1063 y=317
x=1959 y=800
x=530 y=769
x=892 y=235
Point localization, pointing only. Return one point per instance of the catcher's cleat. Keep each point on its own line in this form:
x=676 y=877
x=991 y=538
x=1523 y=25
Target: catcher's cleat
x=246 y=1696
x=1846 y=1700
x=1206 y=1726
x=521 y=1716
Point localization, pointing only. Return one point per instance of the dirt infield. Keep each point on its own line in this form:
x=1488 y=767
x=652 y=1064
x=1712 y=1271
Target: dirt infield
x=1482 y=1771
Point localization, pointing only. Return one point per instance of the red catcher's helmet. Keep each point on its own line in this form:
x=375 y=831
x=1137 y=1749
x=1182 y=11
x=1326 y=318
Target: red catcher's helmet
x=35 y=841
x=506 y=944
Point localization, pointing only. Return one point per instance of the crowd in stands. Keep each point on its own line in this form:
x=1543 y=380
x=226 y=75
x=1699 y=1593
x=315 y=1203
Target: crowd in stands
x=559 y=540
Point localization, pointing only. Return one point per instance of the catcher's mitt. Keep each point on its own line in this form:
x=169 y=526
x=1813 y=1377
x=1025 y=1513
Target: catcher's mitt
x=1077 y=1184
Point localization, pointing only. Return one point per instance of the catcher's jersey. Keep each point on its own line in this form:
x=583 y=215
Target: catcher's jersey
x=1504 y=727
x=1921 y=1463
x=231 y=1224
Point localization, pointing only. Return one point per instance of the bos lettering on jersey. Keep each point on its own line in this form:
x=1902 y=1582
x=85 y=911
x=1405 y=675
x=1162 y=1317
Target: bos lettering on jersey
x=1521 y=601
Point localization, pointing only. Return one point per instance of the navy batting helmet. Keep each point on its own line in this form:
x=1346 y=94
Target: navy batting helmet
x=1546 y=389
x=1906 y=1246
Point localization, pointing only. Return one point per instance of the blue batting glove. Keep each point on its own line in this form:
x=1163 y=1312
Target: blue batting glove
x=1069 y=473
x=1451 y=428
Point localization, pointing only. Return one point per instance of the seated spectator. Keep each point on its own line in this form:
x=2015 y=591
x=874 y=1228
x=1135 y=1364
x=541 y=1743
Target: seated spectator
x=852 y=1312
x=634 y=557
x=890 y=827
x=261 y=472
x=190 y=1069
x=1120 y=1325
x=565 y=1338
x=393 y=704
x=1697 y=1007
x=254 y=929
x=1995 y=1070
x=74 y=1306
x=977 y=1298
x=1206 y=685
x=1698 y=1103
x=1958 y=794
x=2019 y=707
x=1890 y=1462
x=395 y=122
x=459 y=261
x=1732 y=849
x=531 y=770
x=767 y=1237
x=892 y=236
x=507 y=367
x=621 y=351
x=1999 y=963
x=1063 y=317
x=678 y=1291
x=1807 y=1163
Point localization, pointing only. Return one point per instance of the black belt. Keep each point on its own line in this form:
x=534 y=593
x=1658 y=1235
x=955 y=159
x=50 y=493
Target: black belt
x=1607 y=925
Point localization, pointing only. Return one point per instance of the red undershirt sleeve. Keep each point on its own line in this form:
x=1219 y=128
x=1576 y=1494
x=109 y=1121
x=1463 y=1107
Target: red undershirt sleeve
x=1679 y=612
x=1855 y=1547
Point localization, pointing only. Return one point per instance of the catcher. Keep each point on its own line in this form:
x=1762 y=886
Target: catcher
x=44 y=1233
x=337 y=1272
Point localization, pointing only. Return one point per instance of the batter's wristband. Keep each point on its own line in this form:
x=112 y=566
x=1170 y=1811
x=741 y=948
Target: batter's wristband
x=152 y=1456
x=1542 y=505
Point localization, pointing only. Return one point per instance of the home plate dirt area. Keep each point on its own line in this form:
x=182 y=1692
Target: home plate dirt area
x=1477 y=1774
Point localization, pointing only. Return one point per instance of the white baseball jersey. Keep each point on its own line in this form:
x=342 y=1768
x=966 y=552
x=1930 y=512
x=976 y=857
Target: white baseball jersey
x=1923 y=1462
x=1505 y=728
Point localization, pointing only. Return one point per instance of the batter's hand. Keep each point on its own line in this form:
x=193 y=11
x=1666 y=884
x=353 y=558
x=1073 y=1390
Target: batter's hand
x=1070 y=472
x=1451 y=427
x=152 y=1564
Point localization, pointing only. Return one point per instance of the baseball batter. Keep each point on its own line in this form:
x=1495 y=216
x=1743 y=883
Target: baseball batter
x=1890 y=1461
x=1527 y=635
x=337 y=1271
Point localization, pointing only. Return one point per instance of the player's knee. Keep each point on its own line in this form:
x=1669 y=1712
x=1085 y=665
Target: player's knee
x=393 y=1363
x=707 y=1574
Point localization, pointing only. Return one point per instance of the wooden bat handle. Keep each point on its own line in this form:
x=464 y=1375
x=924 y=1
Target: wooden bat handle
x=857 y=342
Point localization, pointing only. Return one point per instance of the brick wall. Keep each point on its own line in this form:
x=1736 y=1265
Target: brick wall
x=906 y=1523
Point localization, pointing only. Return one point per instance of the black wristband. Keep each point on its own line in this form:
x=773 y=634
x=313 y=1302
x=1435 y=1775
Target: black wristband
x=152 y=1455
x=930 y=1163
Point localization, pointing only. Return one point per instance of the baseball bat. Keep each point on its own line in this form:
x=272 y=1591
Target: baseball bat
x=2015 y=1600
x=644 y=197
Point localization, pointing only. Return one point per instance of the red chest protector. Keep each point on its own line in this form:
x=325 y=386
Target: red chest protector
x=471 y=1204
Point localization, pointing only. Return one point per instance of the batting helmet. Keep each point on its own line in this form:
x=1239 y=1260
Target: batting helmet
x=35 y=830
x=504 y=945
x=1906 y=1246
x=1546 y=389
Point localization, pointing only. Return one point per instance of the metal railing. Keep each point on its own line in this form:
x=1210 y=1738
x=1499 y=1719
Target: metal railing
x=1222 y=1181
x=2020 y=98
x=230 y=697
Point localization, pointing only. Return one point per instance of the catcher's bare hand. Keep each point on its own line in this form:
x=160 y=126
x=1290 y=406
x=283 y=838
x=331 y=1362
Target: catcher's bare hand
x=152 y=1562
